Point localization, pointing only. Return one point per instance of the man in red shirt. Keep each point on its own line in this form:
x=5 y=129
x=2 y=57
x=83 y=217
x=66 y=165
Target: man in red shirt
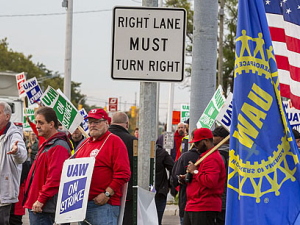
x=42 y=183
x=111 y=170
x=205 y=189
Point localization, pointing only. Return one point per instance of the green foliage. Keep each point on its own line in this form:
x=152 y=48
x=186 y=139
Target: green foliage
x=189 y=26
x=230 y=23
x=18 y=62
x=229 y=43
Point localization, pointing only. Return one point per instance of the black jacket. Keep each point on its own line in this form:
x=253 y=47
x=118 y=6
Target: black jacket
x=180 y=169
x=163 y=161
x=128 y=141
x=224 y=151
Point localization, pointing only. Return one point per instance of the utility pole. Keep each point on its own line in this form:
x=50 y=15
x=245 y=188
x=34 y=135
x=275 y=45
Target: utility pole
x=204 y=60
x=221 y=31
x=147 y=123
x=68 y=54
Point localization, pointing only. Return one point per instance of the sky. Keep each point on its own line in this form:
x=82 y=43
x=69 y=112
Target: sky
x=43 y=37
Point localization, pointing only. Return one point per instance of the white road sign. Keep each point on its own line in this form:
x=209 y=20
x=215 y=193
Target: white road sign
x=148 y=44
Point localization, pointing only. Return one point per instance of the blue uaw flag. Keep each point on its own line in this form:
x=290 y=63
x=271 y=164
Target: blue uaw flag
x=263 y=176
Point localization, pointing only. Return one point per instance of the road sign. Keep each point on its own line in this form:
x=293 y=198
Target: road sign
x=168 y=140
x=113 y=105
x=148 y=44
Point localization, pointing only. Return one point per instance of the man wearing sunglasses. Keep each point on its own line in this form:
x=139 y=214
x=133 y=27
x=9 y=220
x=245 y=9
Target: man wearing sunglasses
x=111 y=170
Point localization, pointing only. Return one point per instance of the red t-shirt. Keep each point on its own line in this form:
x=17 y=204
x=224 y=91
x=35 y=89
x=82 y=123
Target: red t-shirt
x=112 y=167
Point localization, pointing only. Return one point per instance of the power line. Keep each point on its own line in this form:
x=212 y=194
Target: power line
x=54 y=14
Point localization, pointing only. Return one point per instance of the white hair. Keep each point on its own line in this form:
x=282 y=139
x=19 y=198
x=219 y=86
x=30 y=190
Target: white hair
x=6 y=108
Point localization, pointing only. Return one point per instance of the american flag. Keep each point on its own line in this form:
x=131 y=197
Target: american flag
x=284 y=23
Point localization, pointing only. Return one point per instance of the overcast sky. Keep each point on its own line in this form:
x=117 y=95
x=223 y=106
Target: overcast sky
x=43 y=37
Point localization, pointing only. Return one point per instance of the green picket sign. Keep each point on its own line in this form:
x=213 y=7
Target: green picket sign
x=212 y=110
x=30 y=114
x=66 y=113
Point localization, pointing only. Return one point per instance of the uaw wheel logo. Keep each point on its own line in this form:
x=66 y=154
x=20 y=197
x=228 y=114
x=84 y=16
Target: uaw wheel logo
x=273 y=172
x=249 y=177
x=255 y=61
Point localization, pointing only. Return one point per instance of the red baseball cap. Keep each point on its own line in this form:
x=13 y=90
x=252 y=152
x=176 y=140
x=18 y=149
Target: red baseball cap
x=98 y=114
x=200 y=134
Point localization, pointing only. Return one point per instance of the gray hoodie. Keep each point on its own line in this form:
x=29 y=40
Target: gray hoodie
x=11 y=165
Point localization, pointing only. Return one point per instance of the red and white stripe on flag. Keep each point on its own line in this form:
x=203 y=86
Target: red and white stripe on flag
x=286 y=42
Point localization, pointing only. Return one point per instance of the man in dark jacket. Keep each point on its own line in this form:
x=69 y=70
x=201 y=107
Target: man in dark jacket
x=219 y=134
x=119 y=126
x=163 y=161
x=180 y=169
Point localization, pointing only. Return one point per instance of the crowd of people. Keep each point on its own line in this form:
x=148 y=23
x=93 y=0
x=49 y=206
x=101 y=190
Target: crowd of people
x=30 y=169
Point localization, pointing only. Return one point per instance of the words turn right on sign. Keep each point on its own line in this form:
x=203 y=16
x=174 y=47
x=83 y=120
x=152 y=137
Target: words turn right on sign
x=148 y=43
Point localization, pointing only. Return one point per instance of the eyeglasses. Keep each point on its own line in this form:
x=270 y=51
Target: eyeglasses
x=96 y=122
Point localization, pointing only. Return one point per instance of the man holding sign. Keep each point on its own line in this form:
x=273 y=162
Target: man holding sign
x=111 y=171
x=205 y=189
x=43 y=179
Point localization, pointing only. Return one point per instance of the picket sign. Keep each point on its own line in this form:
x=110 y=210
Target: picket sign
x=66 y=113
x=20 y=80
x=212 y=109
x=33 y=90
x=74 y=190
x=224 y=116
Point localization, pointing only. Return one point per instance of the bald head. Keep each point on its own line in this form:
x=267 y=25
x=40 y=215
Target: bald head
x=181 y=129
x=121 y=119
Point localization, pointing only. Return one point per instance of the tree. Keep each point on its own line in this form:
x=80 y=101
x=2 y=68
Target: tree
x=189 y=28
x=18 y=62
x=229 y=43
x=229 y=40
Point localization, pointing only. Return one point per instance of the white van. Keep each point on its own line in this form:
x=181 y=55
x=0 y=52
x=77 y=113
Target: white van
x=9 y=93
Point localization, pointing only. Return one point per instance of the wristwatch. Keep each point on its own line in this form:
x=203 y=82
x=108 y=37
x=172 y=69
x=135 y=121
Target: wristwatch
x=196 y=171
x=107 y=194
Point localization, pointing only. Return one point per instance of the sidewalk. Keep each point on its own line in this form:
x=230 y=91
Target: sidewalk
x=171 y=216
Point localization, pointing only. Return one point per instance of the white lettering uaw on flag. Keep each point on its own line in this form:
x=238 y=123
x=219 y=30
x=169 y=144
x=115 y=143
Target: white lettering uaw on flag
x=113 y=105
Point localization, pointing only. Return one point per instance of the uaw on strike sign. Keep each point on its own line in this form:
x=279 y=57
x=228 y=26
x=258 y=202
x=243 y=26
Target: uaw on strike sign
x=74 y=190
x=148 y=43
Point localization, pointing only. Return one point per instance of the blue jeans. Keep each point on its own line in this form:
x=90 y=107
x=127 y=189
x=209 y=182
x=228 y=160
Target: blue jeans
x=181 y=220
x=161 y=202
x=41 y=218
x=101 y=214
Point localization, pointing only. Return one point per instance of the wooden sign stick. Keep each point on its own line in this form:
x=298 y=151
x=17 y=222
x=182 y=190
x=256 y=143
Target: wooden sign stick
x=212 y=150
